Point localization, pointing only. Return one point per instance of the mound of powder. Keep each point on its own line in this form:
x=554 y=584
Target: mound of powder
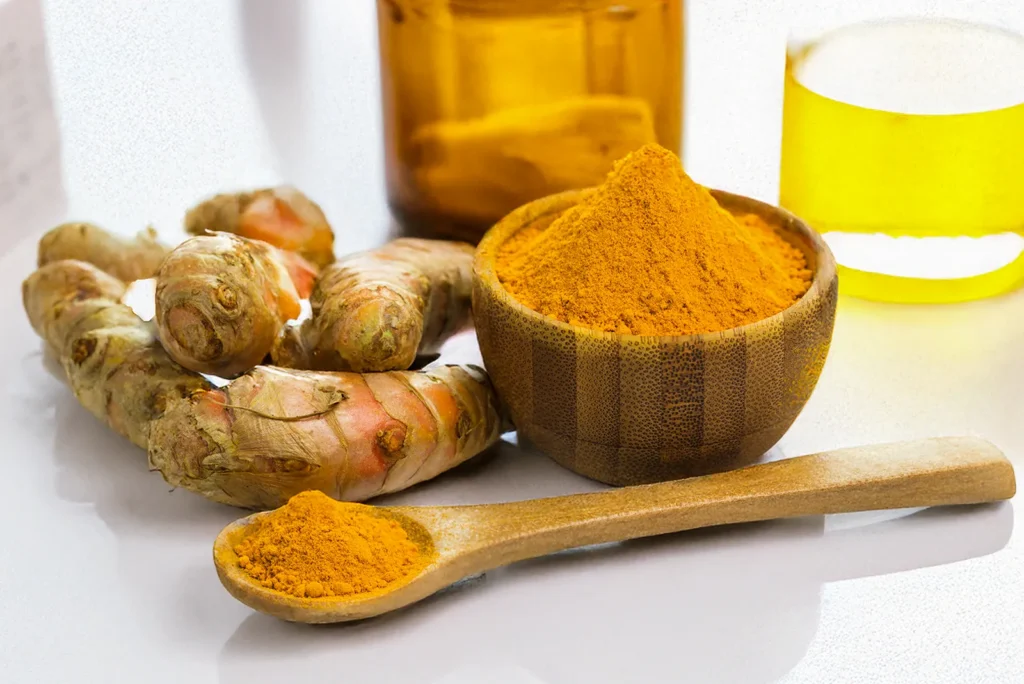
x=314 y=547
x=650 y=252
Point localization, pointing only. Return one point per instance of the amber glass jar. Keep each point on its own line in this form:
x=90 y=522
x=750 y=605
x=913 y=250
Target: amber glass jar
x=489 y=104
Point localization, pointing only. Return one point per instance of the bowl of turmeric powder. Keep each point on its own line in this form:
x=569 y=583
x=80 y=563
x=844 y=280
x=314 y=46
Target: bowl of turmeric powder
x=650 y=329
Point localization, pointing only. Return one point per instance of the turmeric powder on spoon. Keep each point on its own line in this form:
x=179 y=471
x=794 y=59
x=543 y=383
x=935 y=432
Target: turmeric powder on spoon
x=316 y=547
x=650 y=252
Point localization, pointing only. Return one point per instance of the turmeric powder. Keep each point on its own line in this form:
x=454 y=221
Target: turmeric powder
x=650 y=252
x=316 y=547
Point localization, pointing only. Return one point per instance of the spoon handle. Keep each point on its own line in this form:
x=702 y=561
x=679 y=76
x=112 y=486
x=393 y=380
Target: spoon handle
x=930 y=472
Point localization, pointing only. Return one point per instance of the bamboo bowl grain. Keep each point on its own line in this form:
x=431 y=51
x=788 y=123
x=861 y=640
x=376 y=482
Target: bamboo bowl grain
x=627 y=409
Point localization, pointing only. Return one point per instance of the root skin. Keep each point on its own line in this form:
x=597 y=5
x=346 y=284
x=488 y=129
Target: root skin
x=378 y=310
x=126 y=259
x=272 y=432
x=221 y=303
x=276 y=432
x=112 y=359
x=281 y=216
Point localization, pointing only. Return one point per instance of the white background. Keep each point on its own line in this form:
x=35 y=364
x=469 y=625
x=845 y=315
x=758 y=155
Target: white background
x=105 y=574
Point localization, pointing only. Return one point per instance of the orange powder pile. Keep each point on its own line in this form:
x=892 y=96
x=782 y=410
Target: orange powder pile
x=314 y=546
x=650 y=252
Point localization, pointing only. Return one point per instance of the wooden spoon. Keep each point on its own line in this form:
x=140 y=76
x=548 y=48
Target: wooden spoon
x=467 y=540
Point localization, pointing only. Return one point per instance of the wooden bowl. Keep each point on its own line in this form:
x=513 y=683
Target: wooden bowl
x=627 y=409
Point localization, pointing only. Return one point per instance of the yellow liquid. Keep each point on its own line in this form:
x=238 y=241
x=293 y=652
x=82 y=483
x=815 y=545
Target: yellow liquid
x=849 y=169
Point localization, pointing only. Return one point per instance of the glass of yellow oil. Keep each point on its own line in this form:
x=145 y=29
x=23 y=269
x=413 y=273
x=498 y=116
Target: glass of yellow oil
x=903 y=143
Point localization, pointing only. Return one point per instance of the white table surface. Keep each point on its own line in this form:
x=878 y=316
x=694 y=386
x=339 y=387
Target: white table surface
x=105 y=573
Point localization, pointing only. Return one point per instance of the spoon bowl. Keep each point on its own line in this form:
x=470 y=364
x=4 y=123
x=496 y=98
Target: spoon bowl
x=422 y=529
x=462 y=541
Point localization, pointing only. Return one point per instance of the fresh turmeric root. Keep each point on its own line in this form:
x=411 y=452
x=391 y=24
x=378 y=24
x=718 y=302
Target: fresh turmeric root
x=274 y=433
x=113 y=361
x=282 y=216
x=222 y=301
x=378 y=310
x=270 y=433
x=126 y=259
